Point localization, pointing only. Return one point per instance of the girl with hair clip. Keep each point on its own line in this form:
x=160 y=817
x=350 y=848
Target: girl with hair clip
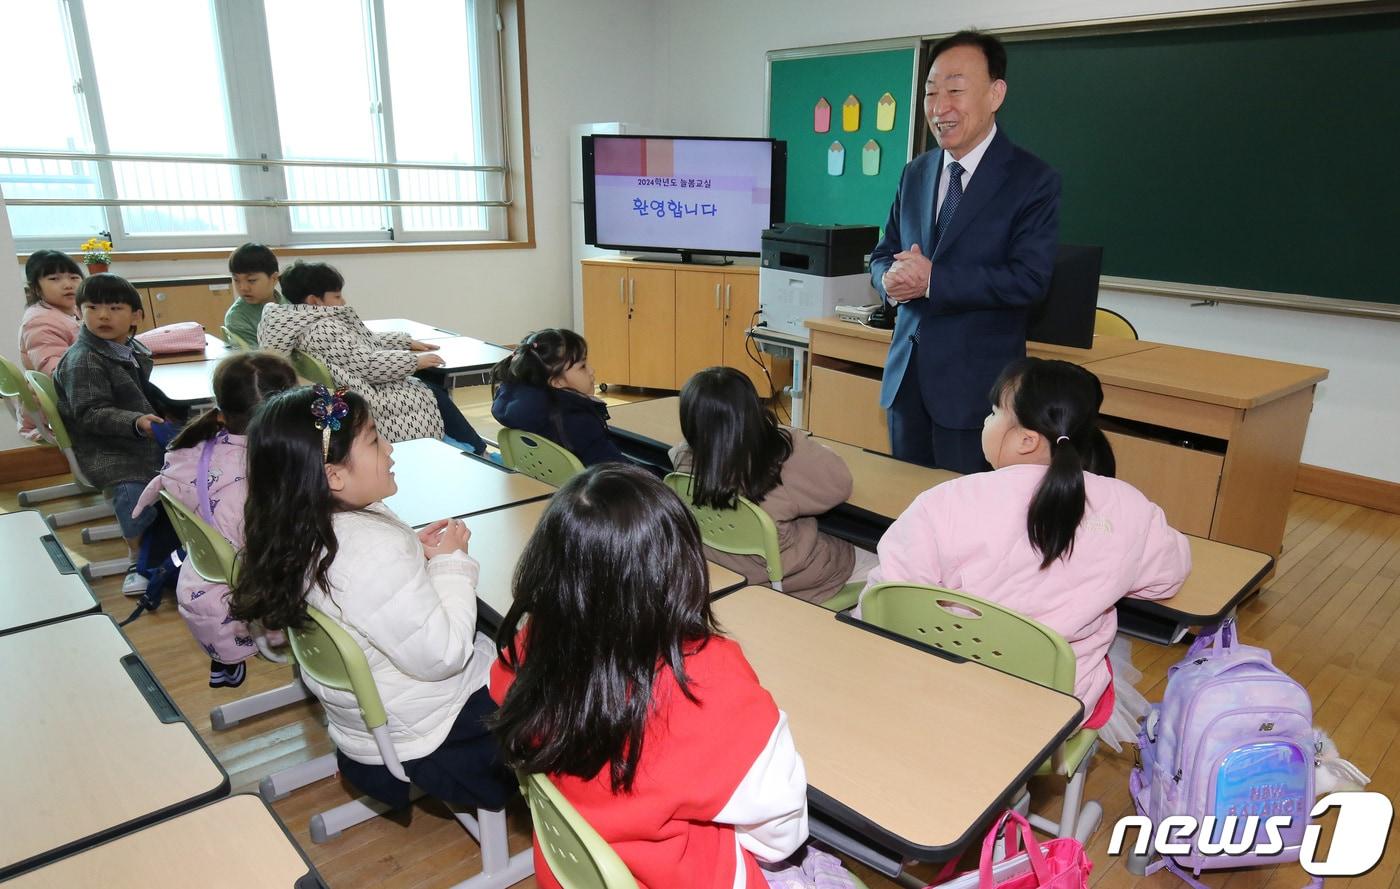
x=620 y=685
x=50 y=322
x=546 y=387
x=206 y=469
x=734 y=446
x=1049 y=533
x=318 y=534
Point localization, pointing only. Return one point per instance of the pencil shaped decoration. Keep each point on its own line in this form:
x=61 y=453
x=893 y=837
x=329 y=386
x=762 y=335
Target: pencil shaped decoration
x=884 y=113
x=850 y=114
x=821 y=116
x=870 y=158
x=835 y=159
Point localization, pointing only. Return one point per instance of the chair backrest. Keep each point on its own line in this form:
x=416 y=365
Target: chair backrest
x=211 y=555
x=577 y=856
x=41 y=387
x=538 y=457
x=235 y=341
x=973 y=628
x=16 y=392
x=1109 y=323
x=745 y=530
x=312 y=369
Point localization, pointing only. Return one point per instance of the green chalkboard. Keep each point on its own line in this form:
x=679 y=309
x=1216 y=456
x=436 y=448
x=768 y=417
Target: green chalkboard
x=1263 y=156
x=794 y=87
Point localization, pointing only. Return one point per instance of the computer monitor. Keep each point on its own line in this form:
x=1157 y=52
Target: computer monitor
x=1066 y=317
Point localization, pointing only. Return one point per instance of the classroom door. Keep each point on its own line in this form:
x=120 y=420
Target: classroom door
x=699 y=323
x=651 y=334
x=605 y=323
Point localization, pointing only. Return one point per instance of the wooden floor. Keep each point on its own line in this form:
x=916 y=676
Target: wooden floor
x=1331 y=616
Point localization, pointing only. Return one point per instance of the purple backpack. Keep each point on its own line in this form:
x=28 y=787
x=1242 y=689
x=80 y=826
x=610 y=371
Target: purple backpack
x=1232 y=736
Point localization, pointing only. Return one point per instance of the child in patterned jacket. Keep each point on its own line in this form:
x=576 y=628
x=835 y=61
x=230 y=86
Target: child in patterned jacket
x=206 y=470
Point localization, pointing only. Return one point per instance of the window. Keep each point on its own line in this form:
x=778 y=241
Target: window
x=371 y=105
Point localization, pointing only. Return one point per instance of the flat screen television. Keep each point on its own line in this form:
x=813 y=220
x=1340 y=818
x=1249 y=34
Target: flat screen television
x=1066 y=316
x=692 y=195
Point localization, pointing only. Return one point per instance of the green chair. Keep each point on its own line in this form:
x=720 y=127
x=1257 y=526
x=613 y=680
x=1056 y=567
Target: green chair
x=327 y=653
x=985 y=632
x=1109 y=323
x=577 y=856
x=235 y=341
x=312 y=369
x=42 y=389
x=15 y=391
x=745 y=530
x=537 y=457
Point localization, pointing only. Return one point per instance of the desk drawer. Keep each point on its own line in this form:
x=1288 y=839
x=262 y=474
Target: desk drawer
x=1182 y=481
x=846 y=407
x=850 y=348
x=1214 y=420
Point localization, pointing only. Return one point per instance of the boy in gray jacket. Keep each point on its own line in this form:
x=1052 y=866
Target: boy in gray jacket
x=114 y=415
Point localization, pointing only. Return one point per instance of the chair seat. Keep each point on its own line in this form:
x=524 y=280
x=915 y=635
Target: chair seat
x=1073 y=752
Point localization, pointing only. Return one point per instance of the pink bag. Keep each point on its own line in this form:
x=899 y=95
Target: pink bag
x=1058 y=864
x=182 y=336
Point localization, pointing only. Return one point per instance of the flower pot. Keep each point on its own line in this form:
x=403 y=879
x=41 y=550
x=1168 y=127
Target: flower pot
x=95 y=268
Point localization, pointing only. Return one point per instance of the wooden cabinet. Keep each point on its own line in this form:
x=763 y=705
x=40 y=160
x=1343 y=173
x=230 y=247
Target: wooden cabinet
x=169 y=300
x=654 y=325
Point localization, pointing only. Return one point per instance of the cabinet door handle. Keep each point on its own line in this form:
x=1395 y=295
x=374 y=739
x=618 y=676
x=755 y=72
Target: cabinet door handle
x=621 y=297
x=728 y=288
x=631 y=291
x=716 y=296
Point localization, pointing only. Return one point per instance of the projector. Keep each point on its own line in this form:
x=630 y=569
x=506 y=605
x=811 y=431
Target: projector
x=856 y=314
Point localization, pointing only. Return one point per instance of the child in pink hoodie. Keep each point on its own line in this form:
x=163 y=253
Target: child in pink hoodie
x=50 y=323
x=1049 y=533
x=206 y=469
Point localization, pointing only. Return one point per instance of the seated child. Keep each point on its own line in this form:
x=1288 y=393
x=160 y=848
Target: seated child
x=206 y=469
x=1049 y=533
x=734 y=446
x=546 y=387
x=114 y=415
x=381 y=366
x=316 y=533
x=657 y=731
x=50 y=323
x=254 y=270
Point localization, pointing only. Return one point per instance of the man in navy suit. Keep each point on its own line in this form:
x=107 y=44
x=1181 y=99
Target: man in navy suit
x=965 y=259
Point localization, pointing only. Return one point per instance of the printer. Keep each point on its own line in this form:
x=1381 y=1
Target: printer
x=806 y=271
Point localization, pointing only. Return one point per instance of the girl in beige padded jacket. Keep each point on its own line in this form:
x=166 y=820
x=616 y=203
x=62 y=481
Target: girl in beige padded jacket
x=735 y=446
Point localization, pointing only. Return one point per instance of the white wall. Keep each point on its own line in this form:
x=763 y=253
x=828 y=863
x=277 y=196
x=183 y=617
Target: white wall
x=714 y=62
x=11 y=308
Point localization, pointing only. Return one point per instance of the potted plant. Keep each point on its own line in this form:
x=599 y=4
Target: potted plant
x=97 y=255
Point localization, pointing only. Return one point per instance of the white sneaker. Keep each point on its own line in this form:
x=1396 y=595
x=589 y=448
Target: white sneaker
x=135 y=583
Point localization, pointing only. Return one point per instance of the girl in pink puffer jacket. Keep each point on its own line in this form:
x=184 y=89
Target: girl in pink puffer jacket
x=206 y=470
x=50 y=321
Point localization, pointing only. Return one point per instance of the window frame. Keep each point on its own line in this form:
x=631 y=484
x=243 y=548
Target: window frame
x=245 y=68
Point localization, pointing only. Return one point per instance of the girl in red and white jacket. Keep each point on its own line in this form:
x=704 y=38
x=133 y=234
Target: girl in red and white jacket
x=622 y=691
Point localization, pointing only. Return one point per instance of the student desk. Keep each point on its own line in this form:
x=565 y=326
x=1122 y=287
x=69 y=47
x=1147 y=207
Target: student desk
x=466 y=354
x=235 y=843
x=215 y=349
x=187 y=383
x=882 y=488
x=497 y=540
x=1215 y=439
x=40 y=583
x=438 y=481
x=908 y=752
x=93 y=745
x=416 y=329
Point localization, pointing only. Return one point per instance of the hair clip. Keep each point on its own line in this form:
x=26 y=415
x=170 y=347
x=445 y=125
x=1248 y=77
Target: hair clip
x=329 y=408
x=1062 y=438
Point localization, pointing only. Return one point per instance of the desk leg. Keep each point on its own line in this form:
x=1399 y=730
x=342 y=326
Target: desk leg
x=799 y=387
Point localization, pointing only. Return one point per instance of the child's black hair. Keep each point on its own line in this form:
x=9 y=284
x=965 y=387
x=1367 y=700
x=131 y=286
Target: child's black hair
x=1060 y=401
x=41 y=264
x=251 y=259
x=737 y=446
x=107 y=289
x=242 y=382
x=303 y=279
